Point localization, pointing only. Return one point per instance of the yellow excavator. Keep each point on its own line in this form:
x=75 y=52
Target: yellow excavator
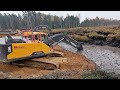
x=22 y=50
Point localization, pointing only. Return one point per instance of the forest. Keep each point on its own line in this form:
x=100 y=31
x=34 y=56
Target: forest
x=31 y=19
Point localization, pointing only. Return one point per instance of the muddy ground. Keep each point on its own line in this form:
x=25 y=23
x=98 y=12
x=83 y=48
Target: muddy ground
x=74 y=68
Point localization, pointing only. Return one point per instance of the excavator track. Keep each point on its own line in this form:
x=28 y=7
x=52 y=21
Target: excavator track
x=50 y=63
x=35 y=64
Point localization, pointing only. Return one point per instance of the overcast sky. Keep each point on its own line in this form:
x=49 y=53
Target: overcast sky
x=83 y=14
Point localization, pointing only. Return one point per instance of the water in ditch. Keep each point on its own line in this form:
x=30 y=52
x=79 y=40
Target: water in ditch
x=106 y=57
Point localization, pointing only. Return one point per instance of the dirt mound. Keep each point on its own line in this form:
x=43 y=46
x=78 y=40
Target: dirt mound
x=27 y=73
x=8 y=68
x=63 y=74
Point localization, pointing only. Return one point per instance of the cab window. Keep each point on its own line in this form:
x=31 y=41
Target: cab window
x=44 y=37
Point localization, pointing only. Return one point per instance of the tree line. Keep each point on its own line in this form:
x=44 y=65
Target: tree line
x=99 y=22
x=31 y=19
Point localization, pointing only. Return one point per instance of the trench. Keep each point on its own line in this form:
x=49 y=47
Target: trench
x=106 y=57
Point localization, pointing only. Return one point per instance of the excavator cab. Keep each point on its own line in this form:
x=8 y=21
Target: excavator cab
x=34 y=36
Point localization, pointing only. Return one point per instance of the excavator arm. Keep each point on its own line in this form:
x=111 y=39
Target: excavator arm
x=57 y=38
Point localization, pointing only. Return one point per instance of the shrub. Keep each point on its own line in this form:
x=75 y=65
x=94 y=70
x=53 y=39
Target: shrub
x=117 y=36
x=92 y=34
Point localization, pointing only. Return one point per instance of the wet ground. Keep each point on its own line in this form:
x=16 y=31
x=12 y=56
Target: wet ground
x=106 y=57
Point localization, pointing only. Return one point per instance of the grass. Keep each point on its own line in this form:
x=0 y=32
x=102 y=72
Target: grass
x=79 y=38
x=86 y=33
x=117 y=36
